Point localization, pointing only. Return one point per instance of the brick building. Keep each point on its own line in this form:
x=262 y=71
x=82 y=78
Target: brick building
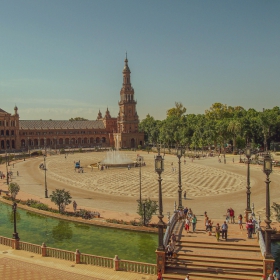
x=105 y=131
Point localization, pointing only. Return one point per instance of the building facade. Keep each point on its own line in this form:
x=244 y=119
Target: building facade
x=107 y=131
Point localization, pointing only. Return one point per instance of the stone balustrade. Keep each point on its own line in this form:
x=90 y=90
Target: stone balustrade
x=80 y=258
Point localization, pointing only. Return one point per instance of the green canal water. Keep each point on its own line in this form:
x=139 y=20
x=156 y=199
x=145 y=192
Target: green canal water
x=95 y=240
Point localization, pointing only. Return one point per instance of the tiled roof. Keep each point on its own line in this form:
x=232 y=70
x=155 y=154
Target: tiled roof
x=41 y=124
x=2 y=111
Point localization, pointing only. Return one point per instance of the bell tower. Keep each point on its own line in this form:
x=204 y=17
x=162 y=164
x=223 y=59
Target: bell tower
x=128 y=120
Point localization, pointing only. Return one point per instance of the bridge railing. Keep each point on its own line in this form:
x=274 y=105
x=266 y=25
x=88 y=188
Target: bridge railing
x=77 y=257
x=258 y=231
x=169 y=229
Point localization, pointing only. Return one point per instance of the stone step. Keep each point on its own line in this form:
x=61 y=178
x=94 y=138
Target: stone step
x=203 y=276
x=220 y=243
x=214 y=246
x=204 y=265
x=219 y=260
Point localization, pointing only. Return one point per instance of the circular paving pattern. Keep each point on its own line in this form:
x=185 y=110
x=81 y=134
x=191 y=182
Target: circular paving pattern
x=198 y=180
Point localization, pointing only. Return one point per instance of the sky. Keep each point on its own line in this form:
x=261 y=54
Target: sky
x=64 y=58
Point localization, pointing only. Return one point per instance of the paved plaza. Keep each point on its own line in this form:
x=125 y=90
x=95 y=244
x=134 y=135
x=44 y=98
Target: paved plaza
x=211 y=186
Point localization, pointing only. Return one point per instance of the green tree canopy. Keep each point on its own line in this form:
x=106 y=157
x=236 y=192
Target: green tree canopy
x=61 y=198
x=14 y=190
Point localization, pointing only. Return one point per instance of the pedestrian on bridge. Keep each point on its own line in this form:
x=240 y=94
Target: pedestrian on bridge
x=224 y=230
x=194 y=221
x=218 y=231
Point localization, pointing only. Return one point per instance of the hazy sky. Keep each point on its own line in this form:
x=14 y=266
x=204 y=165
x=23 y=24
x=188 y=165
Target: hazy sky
x=63 y=58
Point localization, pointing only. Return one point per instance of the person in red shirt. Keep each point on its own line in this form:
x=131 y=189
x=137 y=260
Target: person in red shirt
x=231 y=214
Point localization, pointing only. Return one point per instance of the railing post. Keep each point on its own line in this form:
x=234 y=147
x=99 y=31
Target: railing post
x=116 y=263
x=160 y=261
x=268 y=265
x=77 y=256
x=15 y=243
x=44 y=250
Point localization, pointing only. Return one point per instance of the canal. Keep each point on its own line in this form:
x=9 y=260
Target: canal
x=89 y=239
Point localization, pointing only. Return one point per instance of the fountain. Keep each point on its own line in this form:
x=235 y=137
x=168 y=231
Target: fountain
x=116 y=159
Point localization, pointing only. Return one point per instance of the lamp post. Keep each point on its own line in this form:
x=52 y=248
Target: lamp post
x=267 y=169
x=248 y=192
x=180 y=152
x=45 y=168
x=15 y=234
x=159 y=169
x=7 y=169
x=139 y=161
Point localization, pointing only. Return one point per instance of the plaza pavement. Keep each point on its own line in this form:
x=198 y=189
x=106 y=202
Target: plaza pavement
x=211 y=186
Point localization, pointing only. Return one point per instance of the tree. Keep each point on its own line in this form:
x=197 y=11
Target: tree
x=276 y=208
x=178 y=111
x=61 y=198
x=14 y=190
x=234 y=127
x=151 y=207
x=78 y=119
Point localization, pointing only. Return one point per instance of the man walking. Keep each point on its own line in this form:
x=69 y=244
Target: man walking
x=224 y=230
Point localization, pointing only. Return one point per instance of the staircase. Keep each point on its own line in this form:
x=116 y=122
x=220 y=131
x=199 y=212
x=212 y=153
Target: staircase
x=203 y=257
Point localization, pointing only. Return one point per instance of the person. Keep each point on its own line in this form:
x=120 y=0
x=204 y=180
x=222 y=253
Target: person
x=210 y=226
x=240 y=221
x=224 y=230
x=74 y=205
x=276 y=274
x=249 y=226
x=187 y=277
x=206 y=223
x=194 y=221
x=185 y=195
x=227 y=216
x=232 y=160
x=231 y=214
x=17 y=173
x=187 y=225
x=186 y=211
x=170 y=250
x=218 y=231
x=270 y=277
x=159 y=275
x=173 y=240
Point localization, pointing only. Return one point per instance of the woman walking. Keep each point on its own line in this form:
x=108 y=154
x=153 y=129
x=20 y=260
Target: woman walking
x=218 y=231
x=240 y=222
x=194 y=221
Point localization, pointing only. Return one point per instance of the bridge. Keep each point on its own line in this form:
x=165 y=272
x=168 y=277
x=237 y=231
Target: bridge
x=203 y=257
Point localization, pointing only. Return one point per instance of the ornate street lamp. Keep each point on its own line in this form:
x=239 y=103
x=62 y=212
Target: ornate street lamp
x=15 y=234
x=180 y=153
x=248 y=192
x=267 y=169
x=159 y=169
x=7 y=169
x=45 y=168
x=139 y=162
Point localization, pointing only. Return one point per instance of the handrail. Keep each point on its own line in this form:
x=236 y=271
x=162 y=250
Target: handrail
x=97 y=260
x=144 y=268
x=258 y=231
x=6 y=241
x=60 y=254
x=116 y=264
x=169 y=229
x=29 y=247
